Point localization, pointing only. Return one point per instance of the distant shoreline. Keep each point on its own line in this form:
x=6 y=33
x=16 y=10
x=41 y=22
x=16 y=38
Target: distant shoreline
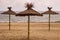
x=30 y=22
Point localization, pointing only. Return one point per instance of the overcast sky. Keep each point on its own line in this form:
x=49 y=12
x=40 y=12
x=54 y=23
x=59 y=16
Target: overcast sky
x=39 y=5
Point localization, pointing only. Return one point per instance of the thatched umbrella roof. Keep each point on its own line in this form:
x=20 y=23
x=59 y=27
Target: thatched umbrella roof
x=29 y=11
x=9 y=11
x=50 y=11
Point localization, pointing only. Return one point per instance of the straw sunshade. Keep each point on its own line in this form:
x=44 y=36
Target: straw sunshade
x=50 y=12
x=29 y=12
x=9 y=12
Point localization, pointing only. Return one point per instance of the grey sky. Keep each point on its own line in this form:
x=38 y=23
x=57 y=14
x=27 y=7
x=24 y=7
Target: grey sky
x=39 y=5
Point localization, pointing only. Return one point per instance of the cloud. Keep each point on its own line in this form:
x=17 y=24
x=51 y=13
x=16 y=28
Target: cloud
x=39 y=4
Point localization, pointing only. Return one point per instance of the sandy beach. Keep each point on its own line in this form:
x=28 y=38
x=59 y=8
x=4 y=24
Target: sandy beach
x=38 y=31
x=22 y=25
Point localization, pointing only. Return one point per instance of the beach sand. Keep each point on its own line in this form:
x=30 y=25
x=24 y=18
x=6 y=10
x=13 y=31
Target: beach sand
x=38 y=31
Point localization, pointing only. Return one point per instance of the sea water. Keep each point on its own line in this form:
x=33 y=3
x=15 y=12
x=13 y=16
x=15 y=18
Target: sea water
x=44 y=18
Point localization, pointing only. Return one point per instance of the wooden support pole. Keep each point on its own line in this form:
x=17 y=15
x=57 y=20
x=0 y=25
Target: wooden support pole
x=49 y=22
x=28 y=27
x=9 y=22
